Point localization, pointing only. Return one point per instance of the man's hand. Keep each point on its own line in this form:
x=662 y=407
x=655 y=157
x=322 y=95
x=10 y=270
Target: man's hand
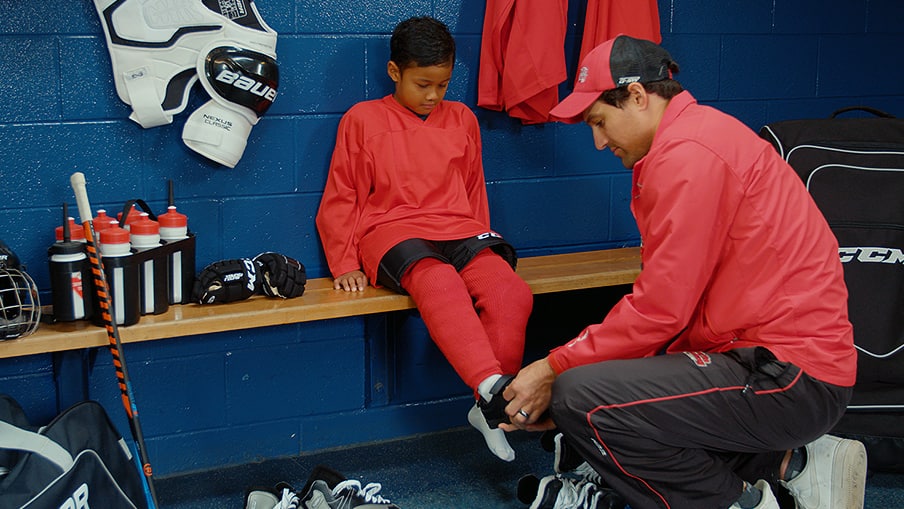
x=529 y=393
x=354 y=281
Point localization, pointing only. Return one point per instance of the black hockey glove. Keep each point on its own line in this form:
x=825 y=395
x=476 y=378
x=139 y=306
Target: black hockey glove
x=227 y=281
x=281 y=276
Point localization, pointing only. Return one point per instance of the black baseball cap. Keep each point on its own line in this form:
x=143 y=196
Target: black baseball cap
x=615 y=63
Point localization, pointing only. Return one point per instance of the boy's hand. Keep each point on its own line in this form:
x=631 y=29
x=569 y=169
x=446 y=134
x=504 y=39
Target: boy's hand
x=354 y=281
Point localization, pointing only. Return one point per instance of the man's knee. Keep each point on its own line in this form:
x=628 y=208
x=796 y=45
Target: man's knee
x=564 y=408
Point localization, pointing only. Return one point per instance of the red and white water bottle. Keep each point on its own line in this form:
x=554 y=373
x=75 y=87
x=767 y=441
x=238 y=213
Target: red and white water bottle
x=76 y=232
x=114 y=242
x=173 y=225
x=100 y=223
x=145 y=236
x=130 y=217
x=121 y=275
x=144 y=233
x=173 y=228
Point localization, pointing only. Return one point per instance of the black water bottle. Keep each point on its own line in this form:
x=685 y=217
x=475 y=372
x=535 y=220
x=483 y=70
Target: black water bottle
x=71 y=283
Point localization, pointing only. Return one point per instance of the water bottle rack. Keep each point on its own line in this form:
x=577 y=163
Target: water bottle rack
x=175 y=284
x=161 y=256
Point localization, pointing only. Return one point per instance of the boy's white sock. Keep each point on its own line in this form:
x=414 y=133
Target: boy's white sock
x=495 y=438
x=484 y=388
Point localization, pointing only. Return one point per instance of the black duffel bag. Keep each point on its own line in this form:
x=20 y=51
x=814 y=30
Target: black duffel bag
x=78 y=460
x=854 y=169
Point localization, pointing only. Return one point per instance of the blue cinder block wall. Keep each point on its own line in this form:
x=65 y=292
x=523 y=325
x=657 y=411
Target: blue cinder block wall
x=221 y=399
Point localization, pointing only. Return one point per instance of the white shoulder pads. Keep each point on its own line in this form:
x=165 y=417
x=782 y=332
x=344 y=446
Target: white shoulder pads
x=155 y=46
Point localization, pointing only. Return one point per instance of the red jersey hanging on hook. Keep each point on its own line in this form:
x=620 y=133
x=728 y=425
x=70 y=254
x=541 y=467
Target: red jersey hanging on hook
x=607 y=18
x=522 y=57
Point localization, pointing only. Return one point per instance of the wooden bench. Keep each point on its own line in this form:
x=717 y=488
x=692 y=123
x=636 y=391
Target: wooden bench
x=544 y=274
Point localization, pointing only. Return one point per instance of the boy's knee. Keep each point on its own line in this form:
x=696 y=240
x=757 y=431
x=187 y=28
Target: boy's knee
x=520 y=291
x=509 y=289
x=515 y=286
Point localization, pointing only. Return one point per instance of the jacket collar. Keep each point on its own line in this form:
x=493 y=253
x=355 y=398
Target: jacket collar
x=673 y=110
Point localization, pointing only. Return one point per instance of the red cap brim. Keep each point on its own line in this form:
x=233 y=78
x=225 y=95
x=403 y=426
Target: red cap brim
x=571 y=109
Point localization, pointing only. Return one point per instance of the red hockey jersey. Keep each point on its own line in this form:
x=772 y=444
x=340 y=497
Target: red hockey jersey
x=522 y=57
x=394 y=176
x=606 y=19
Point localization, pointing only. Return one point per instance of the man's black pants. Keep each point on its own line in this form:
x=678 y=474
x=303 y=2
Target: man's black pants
x=682 y=431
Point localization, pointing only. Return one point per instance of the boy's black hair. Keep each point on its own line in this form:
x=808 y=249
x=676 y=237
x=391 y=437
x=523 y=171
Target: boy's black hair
x=422 y=41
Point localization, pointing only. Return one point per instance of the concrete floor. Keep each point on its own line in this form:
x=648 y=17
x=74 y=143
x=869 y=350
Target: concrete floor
x=445 y=470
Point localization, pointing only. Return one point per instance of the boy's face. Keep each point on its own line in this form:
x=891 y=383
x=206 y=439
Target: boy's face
x=420 y=89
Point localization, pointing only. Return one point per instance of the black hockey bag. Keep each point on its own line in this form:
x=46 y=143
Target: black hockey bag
x=854 y=169
x=76 y=461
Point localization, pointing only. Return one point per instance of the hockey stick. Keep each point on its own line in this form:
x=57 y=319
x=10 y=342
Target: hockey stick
x=77 y=180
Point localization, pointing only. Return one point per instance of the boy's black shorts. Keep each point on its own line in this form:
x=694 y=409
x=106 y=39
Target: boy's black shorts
x=457 y=253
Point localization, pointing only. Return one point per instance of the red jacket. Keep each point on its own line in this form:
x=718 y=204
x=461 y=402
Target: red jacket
x=735 y=254
x=394 y=176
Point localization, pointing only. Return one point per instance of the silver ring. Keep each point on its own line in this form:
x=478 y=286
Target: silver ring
x=524 y=414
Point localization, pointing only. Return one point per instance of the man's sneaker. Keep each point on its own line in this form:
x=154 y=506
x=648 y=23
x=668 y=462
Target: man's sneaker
x=328 y=489
x=558 y=491
x=315 y=495
x=834 y=476
x=494 y=408
x=280 y=497
x=767 y=502
x=260 y=499
x=352 y=494
x=567 y=460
